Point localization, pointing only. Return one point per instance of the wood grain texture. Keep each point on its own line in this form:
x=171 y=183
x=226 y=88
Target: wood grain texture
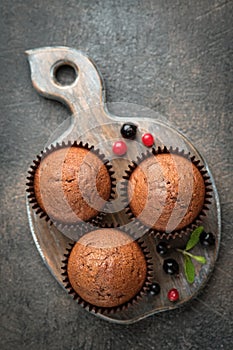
x=172 y=56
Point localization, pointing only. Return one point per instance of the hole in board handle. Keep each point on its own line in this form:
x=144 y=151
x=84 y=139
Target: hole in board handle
x=64 y=74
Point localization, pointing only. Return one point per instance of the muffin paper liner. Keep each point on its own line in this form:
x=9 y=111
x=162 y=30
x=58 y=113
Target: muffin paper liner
x=95 y=221
x=137 y=224
x=123 y=307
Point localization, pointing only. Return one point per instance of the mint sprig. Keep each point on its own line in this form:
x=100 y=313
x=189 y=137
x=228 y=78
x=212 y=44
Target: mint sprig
x=189 y=268
x=199 y=258
x=194 y=239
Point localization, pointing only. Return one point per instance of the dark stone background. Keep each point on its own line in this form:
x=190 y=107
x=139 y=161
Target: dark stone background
x=172 y=56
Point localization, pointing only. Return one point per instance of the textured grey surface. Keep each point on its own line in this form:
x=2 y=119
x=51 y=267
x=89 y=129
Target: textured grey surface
x=172 y=56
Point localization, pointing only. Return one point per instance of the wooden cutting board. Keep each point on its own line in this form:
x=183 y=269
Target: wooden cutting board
x=92 y=123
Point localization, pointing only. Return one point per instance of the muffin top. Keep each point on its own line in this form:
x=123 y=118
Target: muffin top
x=71 y=184
x=166 y=192
x=106 y=268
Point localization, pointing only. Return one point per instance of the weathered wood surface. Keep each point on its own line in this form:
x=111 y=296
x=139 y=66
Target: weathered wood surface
x=174 y=57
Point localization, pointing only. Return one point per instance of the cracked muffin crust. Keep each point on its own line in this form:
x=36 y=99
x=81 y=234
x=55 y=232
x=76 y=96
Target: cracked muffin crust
x=106 y=268
x=166 y=192
x=72 y=184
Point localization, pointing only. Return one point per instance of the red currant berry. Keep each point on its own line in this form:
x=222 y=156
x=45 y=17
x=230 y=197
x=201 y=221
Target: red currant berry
x=148 y=140
x=173 y=294
x=119 y=148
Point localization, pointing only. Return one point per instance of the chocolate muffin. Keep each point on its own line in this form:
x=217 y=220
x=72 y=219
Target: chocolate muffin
x=71 y=184
x=106 y=268
x=166 y=191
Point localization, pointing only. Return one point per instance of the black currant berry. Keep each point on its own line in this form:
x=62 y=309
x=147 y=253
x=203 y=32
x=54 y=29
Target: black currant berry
x=207 y=238
x=154 y=289
x=128 y=131
x=162 y=248
x=171 y=266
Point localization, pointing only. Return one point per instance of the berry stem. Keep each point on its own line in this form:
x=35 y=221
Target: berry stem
x=200 y=259
x=184 y=252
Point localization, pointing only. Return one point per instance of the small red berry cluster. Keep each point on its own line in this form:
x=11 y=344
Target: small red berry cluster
x=129 y=131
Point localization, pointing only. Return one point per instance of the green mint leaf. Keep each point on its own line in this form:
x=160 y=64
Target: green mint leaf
x=194 y=239
x=189 y=269
x=200 y=259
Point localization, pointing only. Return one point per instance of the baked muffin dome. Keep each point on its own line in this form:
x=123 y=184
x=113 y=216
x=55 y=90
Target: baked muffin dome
x=166 y=192
x=71 y=184
x=106 y=268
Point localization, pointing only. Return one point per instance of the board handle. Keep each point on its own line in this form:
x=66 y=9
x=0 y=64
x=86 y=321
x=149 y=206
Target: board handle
x=85 y=92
